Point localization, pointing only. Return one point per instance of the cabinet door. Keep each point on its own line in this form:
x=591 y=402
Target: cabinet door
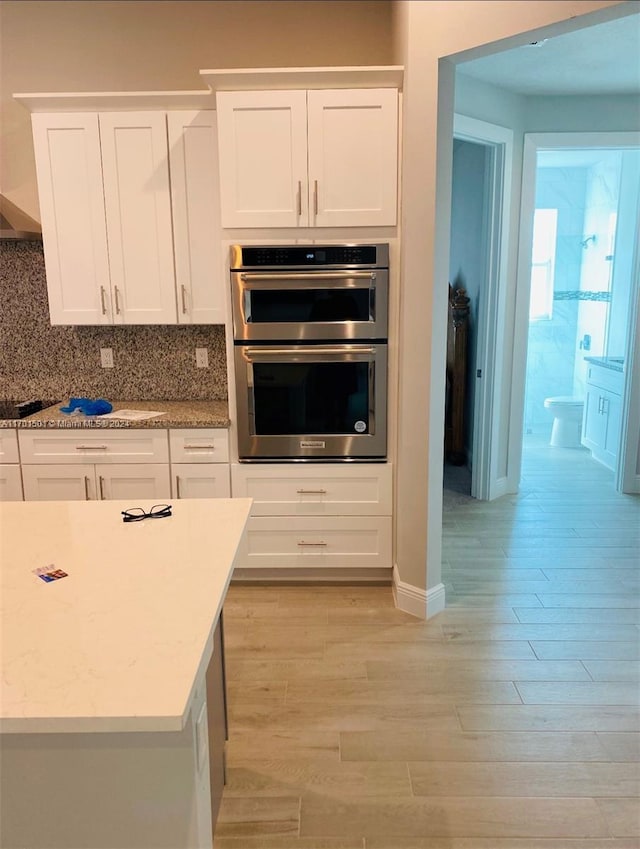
x=10 y=483
x=195 y=200
x=263 y=158
x=138 y=209
x=59 y=483
x=200 y=480
x=69 y=171
x=592 y=422
x=353 y=157
x=612 y=419
x=133 y=480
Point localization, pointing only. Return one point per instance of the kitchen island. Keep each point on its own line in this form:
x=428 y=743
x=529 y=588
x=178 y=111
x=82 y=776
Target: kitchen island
x=112 y=693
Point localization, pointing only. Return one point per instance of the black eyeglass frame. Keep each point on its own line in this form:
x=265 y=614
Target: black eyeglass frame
x=158 y=511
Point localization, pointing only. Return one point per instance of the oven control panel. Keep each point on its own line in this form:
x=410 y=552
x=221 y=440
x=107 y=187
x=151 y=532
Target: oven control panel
x=300 y=256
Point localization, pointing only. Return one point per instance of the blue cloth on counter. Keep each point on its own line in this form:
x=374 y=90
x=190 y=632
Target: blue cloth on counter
x=98 y=407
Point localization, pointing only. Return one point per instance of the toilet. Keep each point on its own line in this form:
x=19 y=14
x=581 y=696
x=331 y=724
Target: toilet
x=567 y=420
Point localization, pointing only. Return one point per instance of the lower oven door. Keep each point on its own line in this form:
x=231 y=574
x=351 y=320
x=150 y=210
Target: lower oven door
x=312 y=402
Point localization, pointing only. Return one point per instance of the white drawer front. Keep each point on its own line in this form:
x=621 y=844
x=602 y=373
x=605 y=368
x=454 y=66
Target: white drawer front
x=348 y=489
x=8 y=445
x=199 y=445
x=606 y=378
x=297 y=542
x=10 y=483
x=94 y=446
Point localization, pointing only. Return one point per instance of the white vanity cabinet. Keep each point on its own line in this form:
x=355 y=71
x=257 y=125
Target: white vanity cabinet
x=95 y=464
x=109 y=211
x=10 y=478
x=317 y=158
x=602 y=416
x=199 y=463
x=315 y=516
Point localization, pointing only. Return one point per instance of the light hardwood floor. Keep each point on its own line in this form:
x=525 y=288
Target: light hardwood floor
x=509 y=721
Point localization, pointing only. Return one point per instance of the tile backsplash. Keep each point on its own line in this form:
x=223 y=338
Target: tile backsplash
x=151 y=362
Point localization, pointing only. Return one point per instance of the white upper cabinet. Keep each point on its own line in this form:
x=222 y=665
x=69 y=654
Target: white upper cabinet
x=69 y=171
x=318 y=158
x=110 y=206
x=195 y=200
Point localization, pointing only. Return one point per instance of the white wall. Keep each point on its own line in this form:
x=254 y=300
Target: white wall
x=427 y=33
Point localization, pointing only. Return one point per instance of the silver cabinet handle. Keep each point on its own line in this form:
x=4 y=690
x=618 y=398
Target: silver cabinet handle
x=311 y=491
x=183 y=292
x=91 y=447
x=87 y=497
x=101 y=481
x=198 y=447
x=317 y=280
x=299 y=198
x=178 y=494
x=117 y=293
x=315 y=197
x=102 y=301
x=303 y=543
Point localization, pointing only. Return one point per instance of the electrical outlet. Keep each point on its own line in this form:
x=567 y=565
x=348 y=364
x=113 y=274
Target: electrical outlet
x=106 y=357
x=202 y=358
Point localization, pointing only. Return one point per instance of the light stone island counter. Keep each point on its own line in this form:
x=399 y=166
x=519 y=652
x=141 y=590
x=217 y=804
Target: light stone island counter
x=176 y=414
x=112 y=695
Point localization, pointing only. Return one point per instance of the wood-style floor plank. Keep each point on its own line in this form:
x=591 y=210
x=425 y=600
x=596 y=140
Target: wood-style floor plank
x=509 y=721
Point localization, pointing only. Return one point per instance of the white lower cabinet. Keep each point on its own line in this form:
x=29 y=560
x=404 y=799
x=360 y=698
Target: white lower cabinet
x=316 y=515
x=95 y=464
x=602 y=416
x=10 y=479
x=87 y=482
x=199 y=463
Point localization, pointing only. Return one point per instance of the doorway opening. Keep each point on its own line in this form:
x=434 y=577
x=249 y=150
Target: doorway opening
x=579 y=226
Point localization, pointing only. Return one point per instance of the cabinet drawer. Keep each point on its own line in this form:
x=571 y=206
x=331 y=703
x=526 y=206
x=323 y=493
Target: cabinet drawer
x=347 y=489
x=8 y=446
x=199 y=445
x=94 y=446
x=605 y=378
x=297 y=542
x=10 y=483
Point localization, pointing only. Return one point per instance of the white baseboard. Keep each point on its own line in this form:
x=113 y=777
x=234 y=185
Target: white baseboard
x=415 y=600
x=500 y=488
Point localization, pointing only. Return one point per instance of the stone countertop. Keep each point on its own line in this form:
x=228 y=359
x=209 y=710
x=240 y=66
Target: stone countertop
x=118 y=643
x=176 y=414
x=612 y=363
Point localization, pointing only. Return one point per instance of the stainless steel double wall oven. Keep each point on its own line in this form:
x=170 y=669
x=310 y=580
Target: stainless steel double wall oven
x=310 y=328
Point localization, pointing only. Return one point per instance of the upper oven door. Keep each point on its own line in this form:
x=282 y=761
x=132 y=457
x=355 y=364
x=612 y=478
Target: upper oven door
x=309 y=305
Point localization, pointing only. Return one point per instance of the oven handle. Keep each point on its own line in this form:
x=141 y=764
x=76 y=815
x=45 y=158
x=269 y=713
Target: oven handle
x=323 y=280
x=311 y=351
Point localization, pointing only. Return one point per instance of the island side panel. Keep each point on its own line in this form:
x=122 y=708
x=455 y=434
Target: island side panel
x=217 y=721
x=103 y=791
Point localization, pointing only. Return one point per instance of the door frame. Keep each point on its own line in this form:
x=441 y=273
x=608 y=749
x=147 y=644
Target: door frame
x=627 y=479
x=488 y=404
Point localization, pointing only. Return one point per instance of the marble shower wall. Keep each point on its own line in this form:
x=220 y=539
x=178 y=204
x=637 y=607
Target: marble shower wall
x=151 y=362
x=552 y=343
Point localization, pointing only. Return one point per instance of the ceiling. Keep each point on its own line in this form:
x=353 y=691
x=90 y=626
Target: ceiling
x=601 y=59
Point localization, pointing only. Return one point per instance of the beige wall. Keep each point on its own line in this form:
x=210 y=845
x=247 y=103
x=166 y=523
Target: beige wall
x=430 y=31
x=129 y=45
